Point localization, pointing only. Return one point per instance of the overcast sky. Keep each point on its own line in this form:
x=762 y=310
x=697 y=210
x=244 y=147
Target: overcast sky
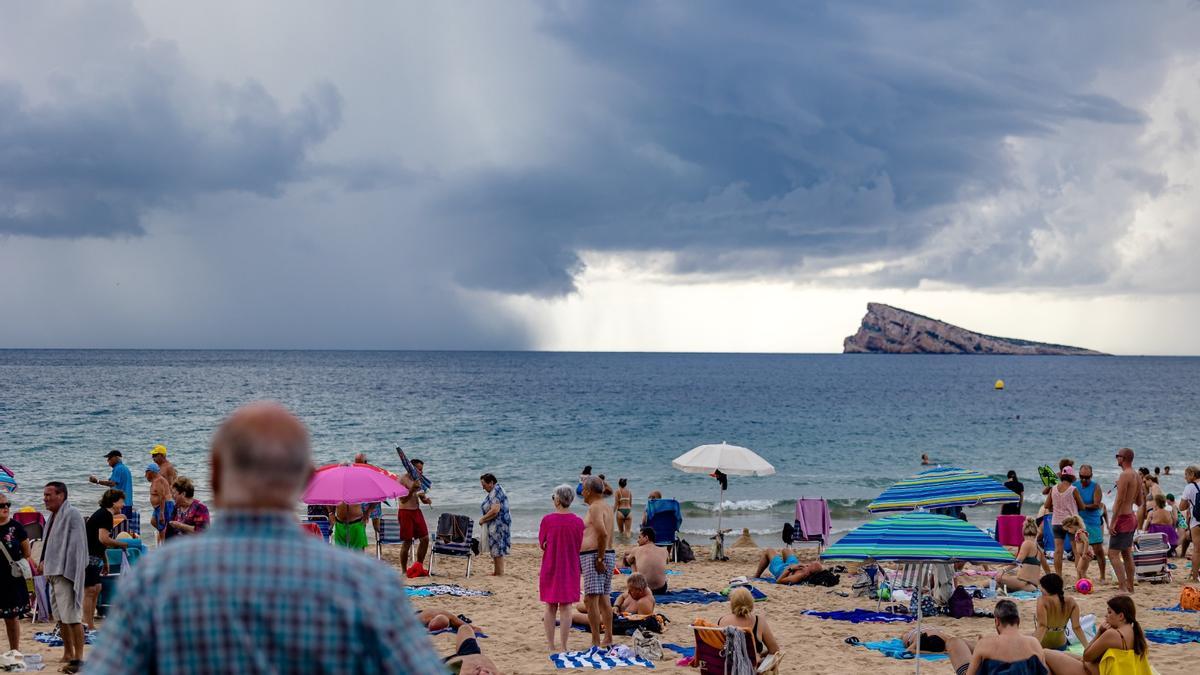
x=649 y=176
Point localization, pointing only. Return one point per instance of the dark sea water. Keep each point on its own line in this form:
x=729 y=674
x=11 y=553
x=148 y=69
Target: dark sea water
x=839 y=426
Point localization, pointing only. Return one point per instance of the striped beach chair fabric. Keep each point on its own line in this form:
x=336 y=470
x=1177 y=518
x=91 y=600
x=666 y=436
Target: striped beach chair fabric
x=1150 y=557
x=389 y=534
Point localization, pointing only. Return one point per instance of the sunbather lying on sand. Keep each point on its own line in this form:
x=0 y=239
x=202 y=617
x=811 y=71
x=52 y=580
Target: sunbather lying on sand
x=438 y=619
x=785 y=567
x=468 y=659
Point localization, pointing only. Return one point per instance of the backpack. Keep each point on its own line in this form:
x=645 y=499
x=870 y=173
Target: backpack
x=1196 y=505
x=961 y=604
x=1189 y=598
x=683 y=551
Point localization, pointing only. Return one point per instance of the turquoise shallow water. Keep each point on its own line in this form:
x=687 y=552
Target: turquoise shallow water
x=843 y=427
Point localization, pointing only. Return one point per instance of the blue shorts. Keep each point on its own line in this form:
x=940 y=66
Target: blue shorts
x=778 y=564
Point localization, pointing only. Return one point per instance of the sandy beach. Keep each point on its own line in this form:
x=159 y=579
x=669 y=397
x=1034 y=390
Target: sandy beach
x=512 y=617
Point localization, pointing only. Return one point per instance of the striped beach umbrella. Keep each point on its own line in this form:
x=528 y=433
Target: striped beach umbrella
x=919 y=538
x=943 y=487
x=8 y=480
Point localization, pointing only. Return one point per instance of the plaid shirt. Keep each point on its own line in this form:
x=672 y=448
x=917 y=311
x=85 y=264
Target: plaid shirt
x=256 y=594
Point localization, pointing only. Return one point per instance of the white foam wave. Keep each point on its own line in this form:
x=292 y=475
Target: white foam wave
x=739 y=505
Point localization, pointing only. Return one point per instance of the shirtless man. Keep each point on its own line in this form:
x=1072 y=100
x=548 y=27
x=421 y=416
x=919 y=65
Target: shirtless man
x=349 y=526
x=165 y=468
x=624 y=508
x=412 y=521
x=785 y=567
x=637 y=599
x=1124 y=522
x=649 y=560
x=597 y=560
x=160 y=494
x=468 y=656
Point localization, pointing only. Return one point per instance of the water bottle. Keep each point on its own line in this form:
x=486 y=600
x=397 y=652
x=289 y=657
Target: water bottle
x=992 y=587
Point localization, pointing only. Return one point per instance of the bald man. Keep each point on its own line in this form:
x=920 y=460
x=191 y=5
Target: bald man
x=256 y=594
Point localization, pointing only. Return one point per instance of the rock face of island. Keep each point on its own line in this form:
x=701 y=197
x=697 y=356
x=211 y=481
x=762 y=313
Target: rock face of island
x=890 y=330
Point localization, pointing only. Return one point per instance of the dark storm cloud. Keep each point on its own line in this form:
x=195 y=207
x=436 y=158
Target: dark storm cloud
x=803 y=132
x=88 y=163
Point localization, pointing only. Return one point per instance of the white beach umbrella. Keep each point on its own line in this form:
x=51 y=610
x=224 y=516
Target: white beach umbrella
x=731 y=460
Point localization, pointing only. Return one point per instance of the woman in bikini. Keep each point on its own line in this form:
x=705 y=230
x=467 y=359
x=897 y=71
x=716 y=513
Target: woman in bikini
x=624 y=508
x=1054 y=611
x=1027 y=576
x=1119 y=647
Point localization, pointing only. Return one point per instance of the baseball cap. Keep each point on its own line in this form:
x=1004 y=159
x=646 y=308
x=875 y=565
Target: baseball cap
x=113 y=453
x=159 y=450
x=1068 y=471
x=152 y=467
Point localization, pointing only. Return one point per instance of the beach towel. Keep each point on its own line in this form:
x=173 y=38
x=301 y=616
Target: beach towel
x=812 y=517
x=860 y=616
x=65 y=548
x=694 y=596
x=1176 y=608
x=1172 y=636
x=448 y=629
x=444 y=589
x=596 y=659
x=629 y=570
x=1024 y=595
x=894 y=648
x=689 y=652
x=52 y=639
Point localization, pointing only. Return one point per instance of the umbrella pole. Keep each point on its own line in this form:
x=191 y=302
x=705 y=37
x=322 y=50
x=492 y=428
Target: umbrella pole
x=921 y=582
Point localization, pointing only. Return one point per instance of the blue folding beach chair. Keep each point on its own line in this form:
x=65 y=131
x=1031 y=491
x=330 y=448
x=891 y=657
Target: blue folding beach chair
x=389 y=534
x=322 y=525
x=453 y=538
x=665 y=518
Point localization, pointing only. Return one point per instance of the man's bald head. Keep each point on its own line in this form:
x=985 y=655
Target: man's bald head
x=260 y=458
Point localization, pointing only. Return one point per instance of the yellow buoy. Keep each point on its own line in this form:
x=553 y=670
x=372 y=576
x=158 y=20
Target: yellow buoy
x=999 y=384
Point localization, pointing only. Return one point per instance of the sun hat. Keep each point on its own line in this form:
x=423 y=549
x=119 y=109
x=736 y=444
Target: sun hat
x=159 y=450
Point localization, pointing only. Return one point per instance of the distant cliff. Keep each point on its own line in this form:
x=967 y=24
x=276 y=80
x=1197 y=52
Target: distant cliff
x=889 y=330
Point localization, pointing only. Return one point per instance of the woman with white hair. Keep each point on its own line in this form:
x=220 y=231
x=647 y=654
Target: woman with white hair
x=560 y=535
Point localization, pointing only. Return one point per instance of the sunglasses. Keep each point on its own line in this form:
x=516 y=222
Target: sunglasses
x=5 y=505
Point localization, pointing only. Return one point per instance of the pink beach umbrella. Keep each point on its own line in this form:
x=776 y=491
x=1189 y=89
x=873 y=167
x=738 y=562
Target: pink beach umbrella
x=351 y=483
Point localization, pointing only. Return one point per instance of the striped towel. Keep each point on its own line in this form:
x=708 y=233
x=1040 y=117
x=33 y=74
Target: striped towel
x=443 y=589
x=596 y=659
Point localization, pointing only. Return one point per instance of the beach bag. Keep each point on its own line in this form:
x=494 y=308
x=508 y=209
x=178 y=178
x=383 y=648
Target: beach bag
x=823 y=578
x=961 y=605
x=928 y=607
x=683 y=551
x=647 y=646
x=14 y=566
x=634 y=623
x=1189 y=598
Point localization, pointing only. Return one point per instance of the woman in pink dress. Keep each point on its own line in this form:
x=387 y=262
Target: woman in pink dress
x=560 y=536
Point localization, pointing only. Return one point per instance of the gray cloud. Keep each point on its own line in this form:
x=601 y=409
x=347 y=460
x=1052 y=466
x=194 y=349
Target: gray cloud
x=91 y=163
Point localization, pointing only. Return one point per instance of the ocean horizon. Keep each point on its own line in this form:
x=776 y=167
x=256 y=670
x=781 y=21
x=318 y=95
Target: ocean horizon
x=842 y=427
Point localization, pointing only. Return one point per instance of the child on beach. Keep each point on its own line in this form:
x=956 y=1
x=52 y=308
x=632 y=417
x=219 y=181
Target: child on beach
x=1080 y=544
x=560 y=535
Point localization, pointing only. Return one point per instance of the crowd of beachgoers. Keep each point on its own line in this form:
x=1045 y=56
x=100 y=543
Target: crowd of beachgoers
x=255 y=590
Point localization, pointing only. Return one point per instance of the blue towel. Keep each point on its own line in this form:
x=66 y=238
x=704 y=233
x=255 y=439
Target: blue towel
x=894 y=648
x=594 y=659
x=629 y=570
x=683 y=651
x=1024 y=595
x=1176 y=608
x=443 y=589
x=695 y=596
x=454 y=630
x=1172 y=636
x=862 y=616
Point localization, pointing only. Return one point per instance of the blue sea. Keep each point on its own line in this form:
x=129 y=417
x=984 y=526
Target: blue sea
x=842 y=427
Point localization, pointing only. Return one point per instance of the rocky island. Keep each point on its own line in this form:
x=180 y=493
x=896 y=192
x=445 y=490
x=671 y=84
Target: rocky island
x=891 y=330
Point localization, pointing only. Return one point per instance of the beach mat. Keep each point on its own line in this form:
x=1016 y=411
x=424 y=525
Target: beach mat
x=694 y=596
x=1172 y=636
x=861 y=616
x=447 y=629
x=680 y=649
x=595 y=659
x=1176 y=608
x=431 y=590
x=52 y=639
x=894 y=648
x=629 y=570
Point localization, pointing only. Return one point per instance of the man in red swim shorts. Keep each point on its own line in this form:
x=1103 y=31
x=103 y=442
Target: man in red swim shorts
x=1124 y=523
x=412 y=521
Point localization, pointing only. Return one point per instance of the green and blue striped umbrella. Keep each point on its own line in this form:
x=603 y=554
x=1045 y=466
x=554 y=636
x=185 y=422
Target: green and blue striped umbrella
x=943 y=487
x=917 y=537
